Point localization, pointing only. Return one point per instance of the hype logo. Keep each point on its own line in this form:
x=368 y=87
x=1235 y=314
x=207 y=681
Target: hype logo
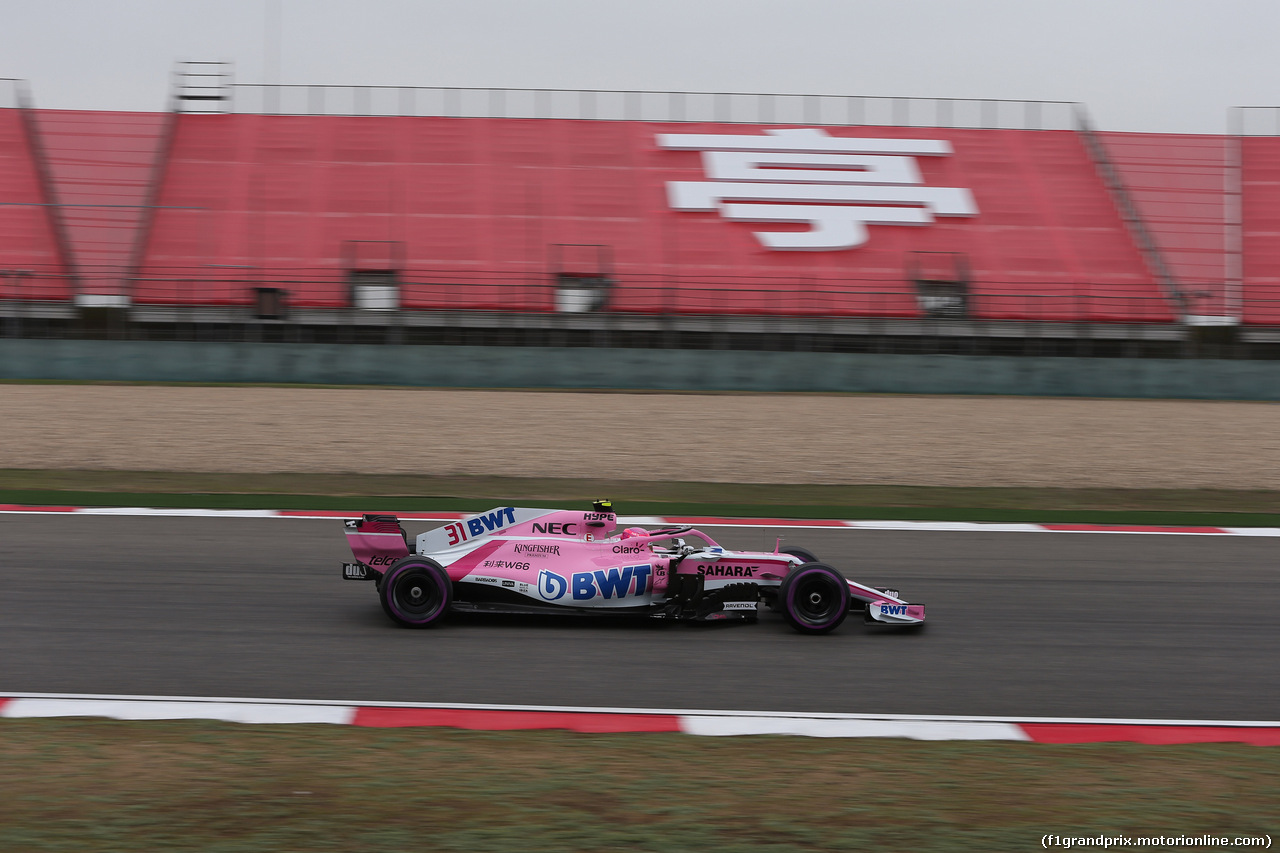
x=551 y=586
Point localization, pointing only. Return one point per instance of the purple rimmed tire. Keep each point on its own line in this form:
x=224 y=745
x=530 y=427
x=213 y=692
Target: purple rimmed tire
x=805 y=555
x=416 y=592
x=814 y=598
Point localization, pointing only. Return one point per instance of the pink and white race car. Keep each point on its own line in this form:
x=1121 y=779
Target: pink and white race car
x=515 y=560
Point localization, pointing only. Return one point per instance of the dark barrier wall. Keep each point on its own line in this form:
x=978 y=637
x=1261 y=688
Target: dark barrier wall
x=683 y=370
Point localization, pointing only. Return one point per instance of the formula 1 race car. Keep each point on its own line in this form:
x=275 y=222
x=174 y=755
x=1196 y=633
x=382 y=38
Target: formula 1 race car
x=515 y=560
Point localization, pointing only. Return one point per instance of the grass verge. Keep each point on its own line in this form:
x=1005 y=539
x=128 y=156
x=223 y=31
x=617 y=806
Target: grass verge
x=373 y=492
x=79 y=785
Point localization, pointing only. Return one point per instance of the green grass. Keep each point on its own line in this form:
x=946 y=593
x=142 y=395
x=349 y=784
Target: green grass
x=373 y=492
x=76 y=785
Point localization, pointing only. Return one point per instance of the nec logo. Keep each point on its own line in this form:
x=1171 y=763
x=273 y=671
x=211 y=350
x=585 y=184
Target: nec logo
x=893 y=609
x=566 y=529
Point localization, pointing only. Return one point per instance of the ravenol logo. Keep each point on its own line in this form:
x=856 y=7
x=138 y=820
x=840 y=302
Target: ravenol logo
x=551 y=586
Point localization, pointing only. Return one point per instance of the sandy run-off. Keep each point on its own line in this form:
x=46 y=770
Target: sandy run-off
x=780 y=438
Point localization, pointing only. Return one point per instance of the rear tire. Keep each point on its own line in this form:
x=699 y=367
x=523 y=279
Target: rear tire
x=814 y=598
x=416 y=592
x=804 y=555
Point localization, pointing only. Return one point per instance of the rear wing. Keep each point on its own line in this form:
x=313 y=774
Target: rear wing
x=457 y=533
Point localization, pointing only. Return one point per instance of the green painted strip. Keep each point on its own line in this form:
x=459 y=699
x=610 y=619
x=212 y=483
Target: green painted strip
x=183 y=786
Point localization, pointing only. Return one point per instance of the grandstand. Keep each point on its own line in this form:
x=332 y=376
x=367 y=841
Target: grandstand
x=34 y=248
x=673 y=219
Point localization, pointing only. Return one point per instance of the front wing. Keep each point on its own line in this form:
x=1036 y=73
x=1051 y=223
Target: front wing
x=894 y=613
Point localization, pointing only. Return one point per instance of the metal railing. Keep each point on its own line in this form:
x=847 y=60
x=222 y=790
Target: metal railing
x=527 y=293
x=518 y=309
x=1253 y=121
x=201 y=87
x=13 y=93
x=657 y=106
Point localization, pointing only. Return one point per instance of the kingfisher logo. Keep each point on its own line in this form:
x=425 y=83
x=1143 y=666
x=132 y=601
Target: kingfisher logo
x=551 y=586
x=537 y=550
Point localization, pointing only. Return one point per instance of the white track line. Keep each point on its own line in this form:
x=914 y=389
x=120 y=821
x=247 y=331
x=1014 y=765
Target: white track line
x=676 y=712
x=750 y=523
x=147 y=709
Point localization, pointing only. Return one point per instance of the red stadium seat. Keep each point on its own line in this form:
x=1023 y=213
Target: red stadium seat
x=1260 y=215
x=32 y=265
x=476 y=206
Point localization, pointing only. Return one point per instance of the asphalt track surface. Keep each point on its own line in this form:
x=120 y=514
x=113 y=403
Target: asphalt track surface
x=1021 y=624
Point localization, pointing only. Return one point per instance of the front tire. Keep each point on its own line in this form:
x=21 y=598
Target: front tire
x=814 y=598
x=416 y=592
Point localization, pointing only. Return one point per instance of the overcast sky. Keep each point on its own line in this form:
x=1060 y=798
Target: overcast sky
x=1147 y=65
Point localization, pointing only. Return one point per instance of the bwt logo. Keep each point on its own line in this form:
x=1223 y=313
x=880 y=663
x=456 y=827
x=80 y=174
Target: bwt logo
x=491 y=521
x=551 y=586
x=893 y=609
x=836 y=185
x=460 y=531
x=607 y=583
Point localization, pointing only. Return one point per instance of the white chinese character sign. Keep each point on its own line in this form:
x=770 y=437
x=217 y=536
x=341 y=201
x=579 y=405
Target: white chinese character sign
x=837 y=186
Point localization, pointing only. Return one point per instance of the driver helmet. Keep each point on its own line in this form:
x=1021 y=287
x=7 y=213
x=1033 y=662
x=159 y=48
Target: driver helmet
x=632 y=532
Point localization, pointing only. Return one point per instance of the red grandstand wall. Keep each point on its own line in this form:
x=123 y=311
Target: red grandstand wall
x=1260 y=228
x=477 y=204
x=101 y=165
x=1177 y=182
x=31 y=264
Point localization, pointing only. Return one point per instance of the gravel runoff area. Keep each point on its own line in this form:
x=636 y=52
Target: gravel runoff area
x=747 y=438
